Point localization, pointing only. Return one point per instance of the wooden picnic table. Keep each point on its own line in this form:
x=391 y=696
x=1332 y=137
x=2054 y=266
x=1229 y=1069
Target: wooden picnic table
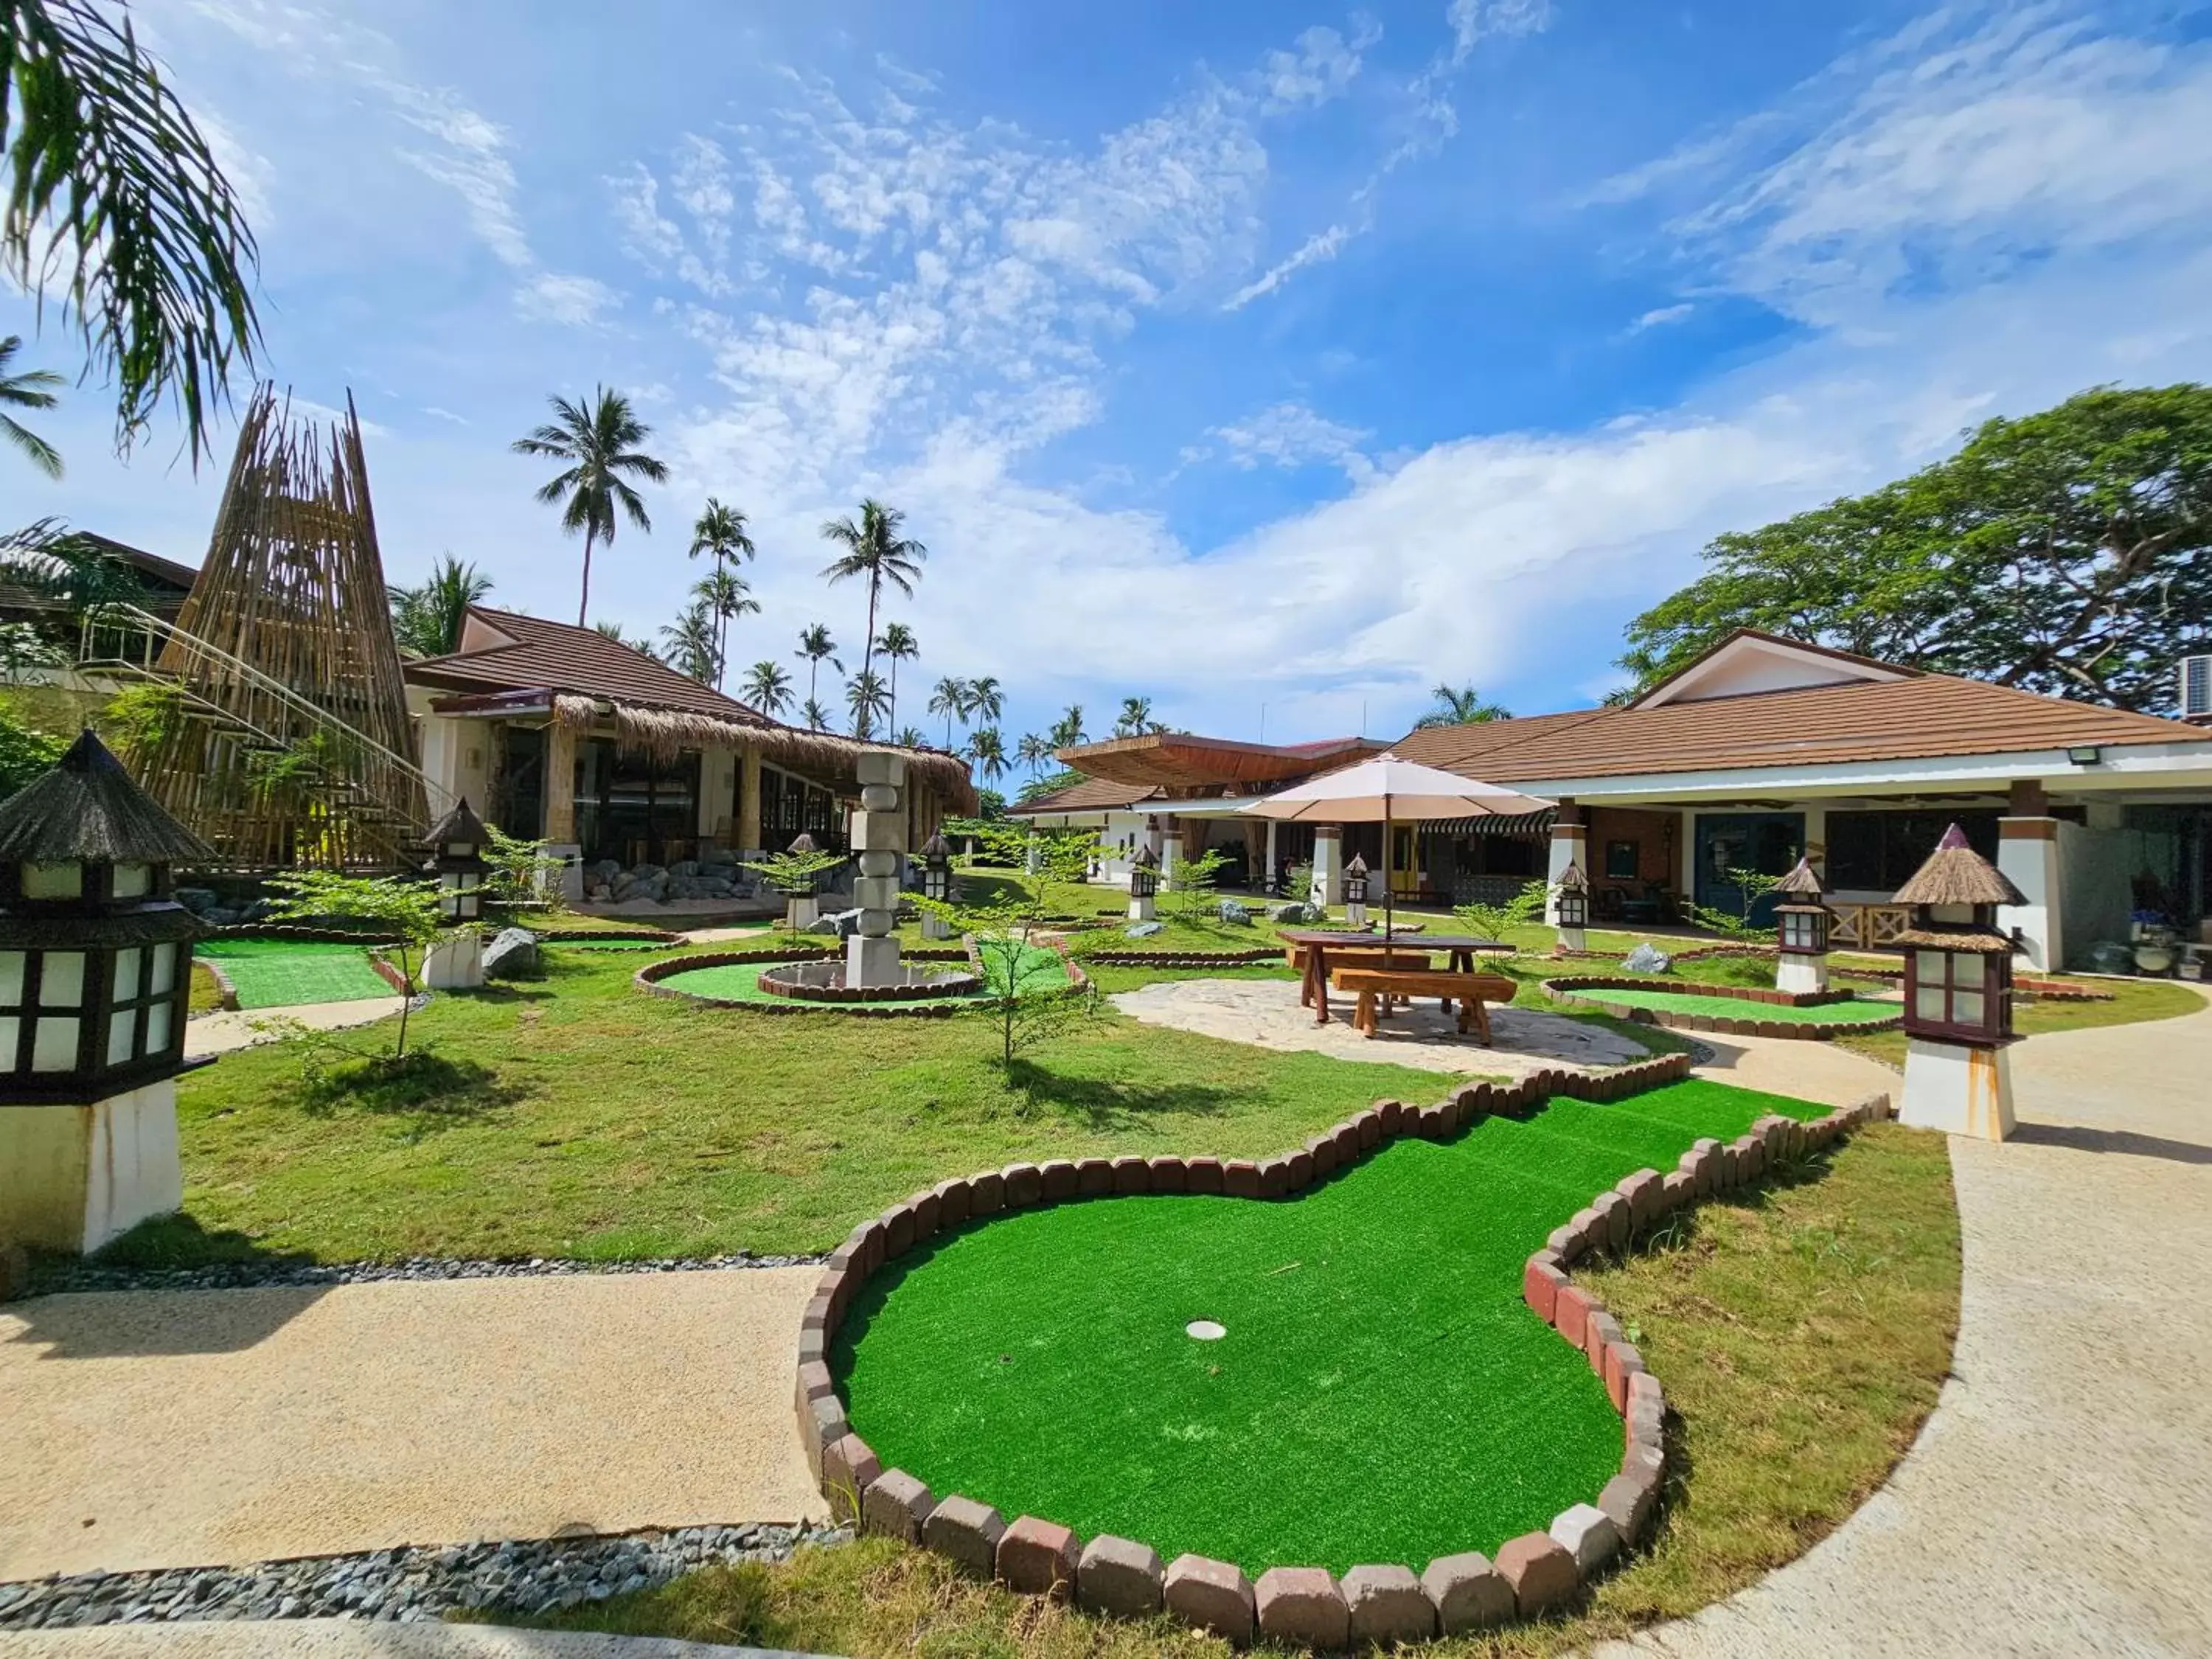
x=1313 y=985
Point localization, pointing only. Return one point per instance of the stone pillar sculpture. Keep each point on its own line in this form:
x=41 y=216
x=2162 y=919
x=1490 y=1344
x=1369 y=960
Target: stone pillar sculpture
x=872 y=955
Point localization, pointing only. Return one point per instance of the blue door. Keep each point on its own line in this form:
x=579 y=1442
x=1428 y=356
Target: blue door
x=1767 y=843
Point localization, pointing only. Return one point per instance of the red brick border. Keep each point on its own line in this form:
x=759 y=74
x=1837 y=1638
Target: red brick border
x=647 y=979
x=1534 y=1573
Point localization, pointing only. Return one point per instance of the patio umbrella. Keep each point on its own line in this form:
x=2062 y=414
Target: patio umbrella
x=1385 y=789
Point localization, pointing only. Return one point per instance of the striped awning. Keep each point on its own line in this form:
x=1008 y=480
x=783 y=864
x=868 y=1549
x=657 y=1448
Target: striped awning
x=1529 y=826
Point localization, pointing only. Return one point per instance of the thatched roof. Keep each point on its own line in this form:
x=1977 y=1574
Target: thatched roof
x=1802 y=885
x=88 y=808
x=1956 y=874
x=460 y=824
x=1980 y=941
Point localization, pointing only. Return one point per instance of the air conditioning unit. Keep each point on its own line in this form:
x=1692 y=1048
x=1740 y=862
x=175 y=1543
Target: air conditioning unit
x=2196 y=688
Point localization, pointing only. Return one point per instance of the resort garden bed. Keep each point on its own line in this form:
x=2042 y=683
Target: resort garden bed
x=1695 y=1006
x=733 y=979
x=259 y=973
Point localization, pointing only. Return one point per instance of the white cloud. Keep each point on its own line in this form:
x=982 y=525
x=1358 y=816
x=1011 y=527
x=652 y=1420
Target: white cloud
x=1474 y=21
x=1317 y=249
x=1660 y=316
x=1293 y=435
x=1321 y=68
x=574 y=302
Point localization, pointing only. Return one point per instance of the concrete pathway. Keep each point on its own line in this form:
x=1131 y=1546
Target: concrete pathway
x=202 y=1428
x=227 y=1029
x=1266 y=1014
x=2055 y=1503
x=339 y=1638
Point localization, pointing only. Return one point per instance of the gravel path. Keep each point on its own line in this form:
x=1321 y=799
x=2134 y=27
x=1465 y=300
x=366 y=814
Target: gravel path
x=331 y=1638
x=225 y=1029
x=192 y=1428
x=2055 y=1504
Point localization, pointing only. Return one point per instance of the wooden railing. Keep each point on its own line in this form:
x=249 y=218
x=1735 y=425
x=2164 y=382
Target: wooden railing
x=1868 y=926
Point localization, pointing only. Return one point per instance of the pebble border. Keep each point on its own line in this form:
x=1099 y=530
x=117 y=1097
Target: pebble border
x=407 y=1584
x=1300 y=1605
x=1184 y=958
x=70 y=1276
x=1581 y=987
x=647 y=979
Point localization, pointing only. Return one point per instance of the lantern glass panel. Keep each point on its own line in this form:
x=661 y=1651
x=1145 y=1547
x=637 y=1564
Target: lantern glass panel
x=61 y=985
x=53 y=1045
x=133 y=880
x=11 y=1033
x=122 y=1031
x=1928 y=966
x=164 y=969
x=1968 y=1008
x=127 y=972
x=65 y=880
x=157 y=1027
x=11 y=978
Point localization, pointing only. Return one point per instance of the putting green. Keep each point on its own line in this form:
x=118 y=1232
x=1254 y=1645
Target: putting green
x=271 y=973
x=739 y=982
x=1381 y=1392
x=1857 y=1012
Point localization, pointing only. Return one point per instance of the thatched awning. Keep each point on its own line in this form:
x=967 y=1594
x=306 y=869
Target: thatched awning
x=827 y=758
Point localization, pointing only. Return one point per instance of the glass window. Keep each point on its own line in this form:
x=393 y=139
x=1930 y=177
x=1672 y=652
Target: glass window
x=133 y=880
x=53 y=881
x=11 y=1033
x=1928 y=1003
x=122 y=1029
x=164 y=969
x=157 y=1027
x=1928 y=966
x=11 y=978
x=126 y=974
x=53 y=1045
x=61 y=984
x=1620 y=861
x=1968 y=1008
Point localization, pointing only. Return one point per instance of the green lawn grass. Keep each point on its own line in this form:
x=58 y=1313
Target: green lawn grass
x=1857 y=1012
x=1382 y=1394
x=2133 y=1000
x=1038 y=971
x=269 y=973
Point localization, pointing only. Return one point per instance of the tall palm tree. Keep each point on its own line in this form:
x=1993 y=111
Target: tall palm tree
x=986 y=701
x=1461 y=705
x=766 y=687
x=867 y=700
x=908 y=737
x=1136 y=718
x=949 y=697
x=817 y=647
x=31 y=389
x=725 y=594
x=1033 y=751
x=690 y=642
x=613 y=630
x=600 y=444
x=816 y=716
x=427 y=620
x=721 y=531
x=897 y=643
x=988 y=751
x=874 y=549
x=1067 y=730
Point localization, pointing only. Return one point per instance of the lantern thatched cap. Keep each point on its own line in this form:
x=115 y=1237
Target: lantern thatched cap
x=459 y=825
x=1802 y=885
x=804 y=843
x=1572 y=880
x=937 y=846
x=1956 y=874
x=88 y=809
x=1963 y=936
x=1357 y=868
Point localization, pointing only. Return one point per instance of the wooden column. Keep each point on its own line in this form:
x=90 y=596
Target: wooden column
x=748 y=800
x=561 y=784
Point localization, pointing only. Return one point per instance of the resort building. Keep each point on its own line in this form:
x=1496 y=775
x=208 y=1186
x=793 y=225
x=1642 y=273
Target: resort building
x=1764 y=749
x=563 y=735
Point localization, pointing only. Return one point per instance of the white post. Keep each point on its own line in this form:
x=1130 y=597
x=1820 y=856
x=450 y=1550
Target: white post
x=871 y=954
x=455 y=963
x=2028 y=853
x=1272 y=828
x=1328 y=867
x=1570 y=846
x=1962 y=1089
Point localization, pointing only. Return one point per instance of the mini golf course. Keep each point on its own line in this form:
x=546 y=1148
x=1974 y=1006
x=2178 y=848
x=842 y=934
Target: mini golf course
x=1039 y=971
x=1859 y=1010
x=268 y=973
x=1379 y=1391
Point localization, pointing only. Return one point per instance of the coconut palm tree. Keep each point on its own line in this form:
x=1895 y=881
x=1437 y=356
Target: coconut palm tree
x=767 y=686
x=1067 y=730
x=986 y=701
x=725 y=594
x=112 y=197
x=1461 y=705
x=721 y=531
x=1033 y=751
x=897 y=643
x=613 y=630
x=600 y=444
x=817 y=647
x=1136 y=718
x=874 y=549
x=690 y=643
x=816 y=716
x=427 y=621
x=988 y=751
x=867 y=700
x=950 y=697
x=908 y=737
x=31 y=389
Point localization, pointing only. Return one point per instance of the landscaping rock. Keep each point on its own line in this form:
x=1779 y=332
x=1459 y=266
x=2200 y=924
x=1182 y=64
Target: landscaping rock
x=895 y=1505
x=1210 y=1595
x=1588 y=1534
x=1038 y=1557
x=1646 y=959
x=1143 y=929
x=1120 y=1577
x=1388 y=1606
x=1235 y=915
x=1540 y=1572
x=512 y=955
x=1297 y=915
x=967 y=1534
x=1469 y=1592
x=1303 y=1607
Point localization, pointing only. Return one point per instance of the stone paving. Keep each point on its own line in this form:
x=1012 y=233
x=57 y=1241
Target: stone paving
x=1266 y=1014
x=2055 y=1504
x=333 y=1638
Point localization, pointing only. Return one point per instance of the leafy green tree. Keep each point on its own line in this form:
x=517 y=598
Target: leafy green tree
x=988 y=751
x=690 y=640
x=874 y=549
x=1461 y=705
x=1750 y=887
x=766 y=687
x=32 y=388
x=896 y=644
x=599 y=443
x=397 y=904
x=867 y=700
x=1498 y=921
x=815 y=648
x=721 y=531
x=950 y=698
x=1194 y=881
x=427 y=620
x=2066 y=552
x=26 y=752
x=113 y=199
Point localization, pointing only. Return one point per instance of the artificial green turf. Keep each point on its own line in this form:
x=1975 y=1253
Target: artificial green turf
x=739 y=982
x=1856 y=1011
x=269 y=973
x=1382 y=1394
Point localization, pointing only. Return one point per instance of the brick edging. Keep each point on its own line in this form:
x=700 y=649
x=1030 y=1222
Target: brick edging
x=1583 y=987
x=1379 y=1604
x=647 y=979
x=595 y=935
x=366 y=939
x=1184 y=958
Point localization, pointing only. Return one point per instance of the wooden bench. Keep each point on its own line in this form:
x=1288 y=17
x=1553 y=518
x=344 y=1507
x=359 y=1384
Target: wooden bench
x=1472 y=991
x=1368 y=956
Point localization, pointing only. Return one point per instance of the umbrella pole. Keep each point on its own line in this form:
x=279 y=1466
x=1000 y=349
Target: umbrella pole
x=1389 y=887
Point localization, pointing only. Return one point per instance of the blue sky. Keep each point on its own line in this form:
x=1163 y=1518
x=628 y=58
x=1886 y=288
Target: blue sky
x=1273 y=361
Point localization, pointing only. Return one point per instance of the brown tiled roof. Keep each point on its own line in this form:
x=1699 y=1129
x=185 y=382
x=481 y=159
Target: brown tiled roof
x=1091 y=795
x=507 y=651
x=1927 y=716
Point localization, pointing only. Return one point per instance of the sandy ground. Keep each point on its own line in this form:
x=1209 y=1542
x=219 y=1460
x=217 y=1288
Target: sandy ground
x=1266 y=1013
x=219 y=1032
x=1817 y=1071
x=334 y=1639
x=2056 y=1502
x=180 y=1428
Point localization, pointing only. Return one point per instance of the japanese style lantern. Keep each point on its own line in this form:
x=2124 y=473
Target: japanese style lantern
x=937 y=868
x=1143 y=873
x=1355 y=881
x=1957 y=993
x=1573 y=897
x=456 y=844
